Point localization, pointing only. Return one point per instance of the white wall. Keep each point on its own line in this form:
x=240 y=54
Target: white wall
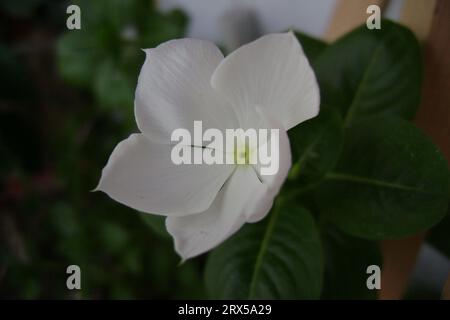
x=309 y=16
x=273 y=15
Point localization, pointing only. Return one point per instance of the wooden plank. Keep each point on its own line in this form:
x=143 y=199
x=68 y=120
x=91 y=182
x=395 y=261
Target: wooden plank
x=349 y=14
x=418 y=16
x=434 y=113
x=434 y=118
x=399 y=258
x=446 y=291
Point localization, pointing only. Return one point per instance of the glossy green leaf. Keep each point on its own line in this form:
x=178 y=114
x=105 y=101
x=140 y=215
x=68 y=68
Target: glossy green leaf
x=346 y=261
x=316 y=145
x=278 y=258
x=391 y=181
x=372 y=72
x=311 y=46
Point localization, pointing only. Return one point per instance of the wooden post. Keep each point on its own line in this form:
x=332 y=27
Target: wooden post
x=433 y=117
x=417 y=15
x=348 y=14
x=434 y=113
x=399 y=259
x=446 y=291
x=430 y=21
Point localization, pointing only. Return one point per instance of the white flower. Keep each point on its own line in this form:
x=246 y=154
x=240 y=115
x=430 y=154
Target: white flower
x=267 y=83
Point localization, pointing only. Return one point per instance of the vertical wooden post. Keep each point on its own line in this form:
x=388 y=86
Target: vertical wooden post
x=430 y=21
x=434 y=113
x=417 y=15
x=348 y=14
x=399 y=259
x=446 y=291
x=433 y=117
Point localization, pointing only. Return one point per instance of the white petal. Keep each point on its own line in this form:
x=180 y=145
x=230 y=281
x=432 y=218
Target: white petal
x=271 y=72
x=174 y=89
x=141 y=175
x=198 y=233
x=274 y=182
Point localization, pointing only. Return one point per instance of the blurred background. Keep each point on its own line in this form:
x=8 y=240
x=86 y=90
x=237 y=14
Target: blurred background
x=66 y=99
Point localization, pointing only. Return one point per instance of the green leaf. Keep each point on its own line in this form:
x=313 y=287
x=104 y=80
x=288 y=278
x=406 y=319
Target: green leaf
x=316 y=145
x=391 y=181
x=113 y=88
x=111 y=35
x=170 y=26
x=346 y=262
x=156 y=224
x=439 y=236
x=372 y=72
x=77 y=57
x=113 y=237
x=311 y=46
x=278 y=258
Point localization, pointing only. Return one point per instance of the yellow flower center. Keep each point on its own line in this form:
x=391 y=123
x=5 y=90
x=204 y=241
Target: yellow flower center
x=242 y=154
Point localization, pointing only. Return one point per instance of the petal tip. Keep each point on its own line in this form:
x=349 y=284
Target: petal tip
x=182 y=262
x=98 y=187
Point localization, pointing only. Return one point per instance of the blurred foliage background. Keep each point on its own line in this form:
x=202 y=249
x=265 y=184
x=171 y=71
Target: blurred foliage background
x=66 y=99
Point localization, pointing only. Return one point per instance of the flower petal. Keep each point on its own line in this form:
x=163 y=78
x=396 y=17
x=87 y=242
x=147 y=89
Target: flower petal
x=274 y=182
x=198 y=233
x=141 y=175
x=174 y=89
x=274 y=73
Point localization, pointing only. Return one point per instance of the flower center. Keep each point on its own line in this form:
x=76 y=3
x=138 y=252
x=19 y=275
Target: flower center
x=242 y=154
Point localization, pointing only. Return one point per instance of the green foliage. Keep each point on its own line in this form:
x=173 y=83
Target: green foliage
x=346 y=262
x=113 y=88
x=280 y=258
x=105 y=56
x=312 y=47
x=316 y=146
x=362 y=170
x=371 y=72
x=156 y=223
x=391 y=181
x=52 y=153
